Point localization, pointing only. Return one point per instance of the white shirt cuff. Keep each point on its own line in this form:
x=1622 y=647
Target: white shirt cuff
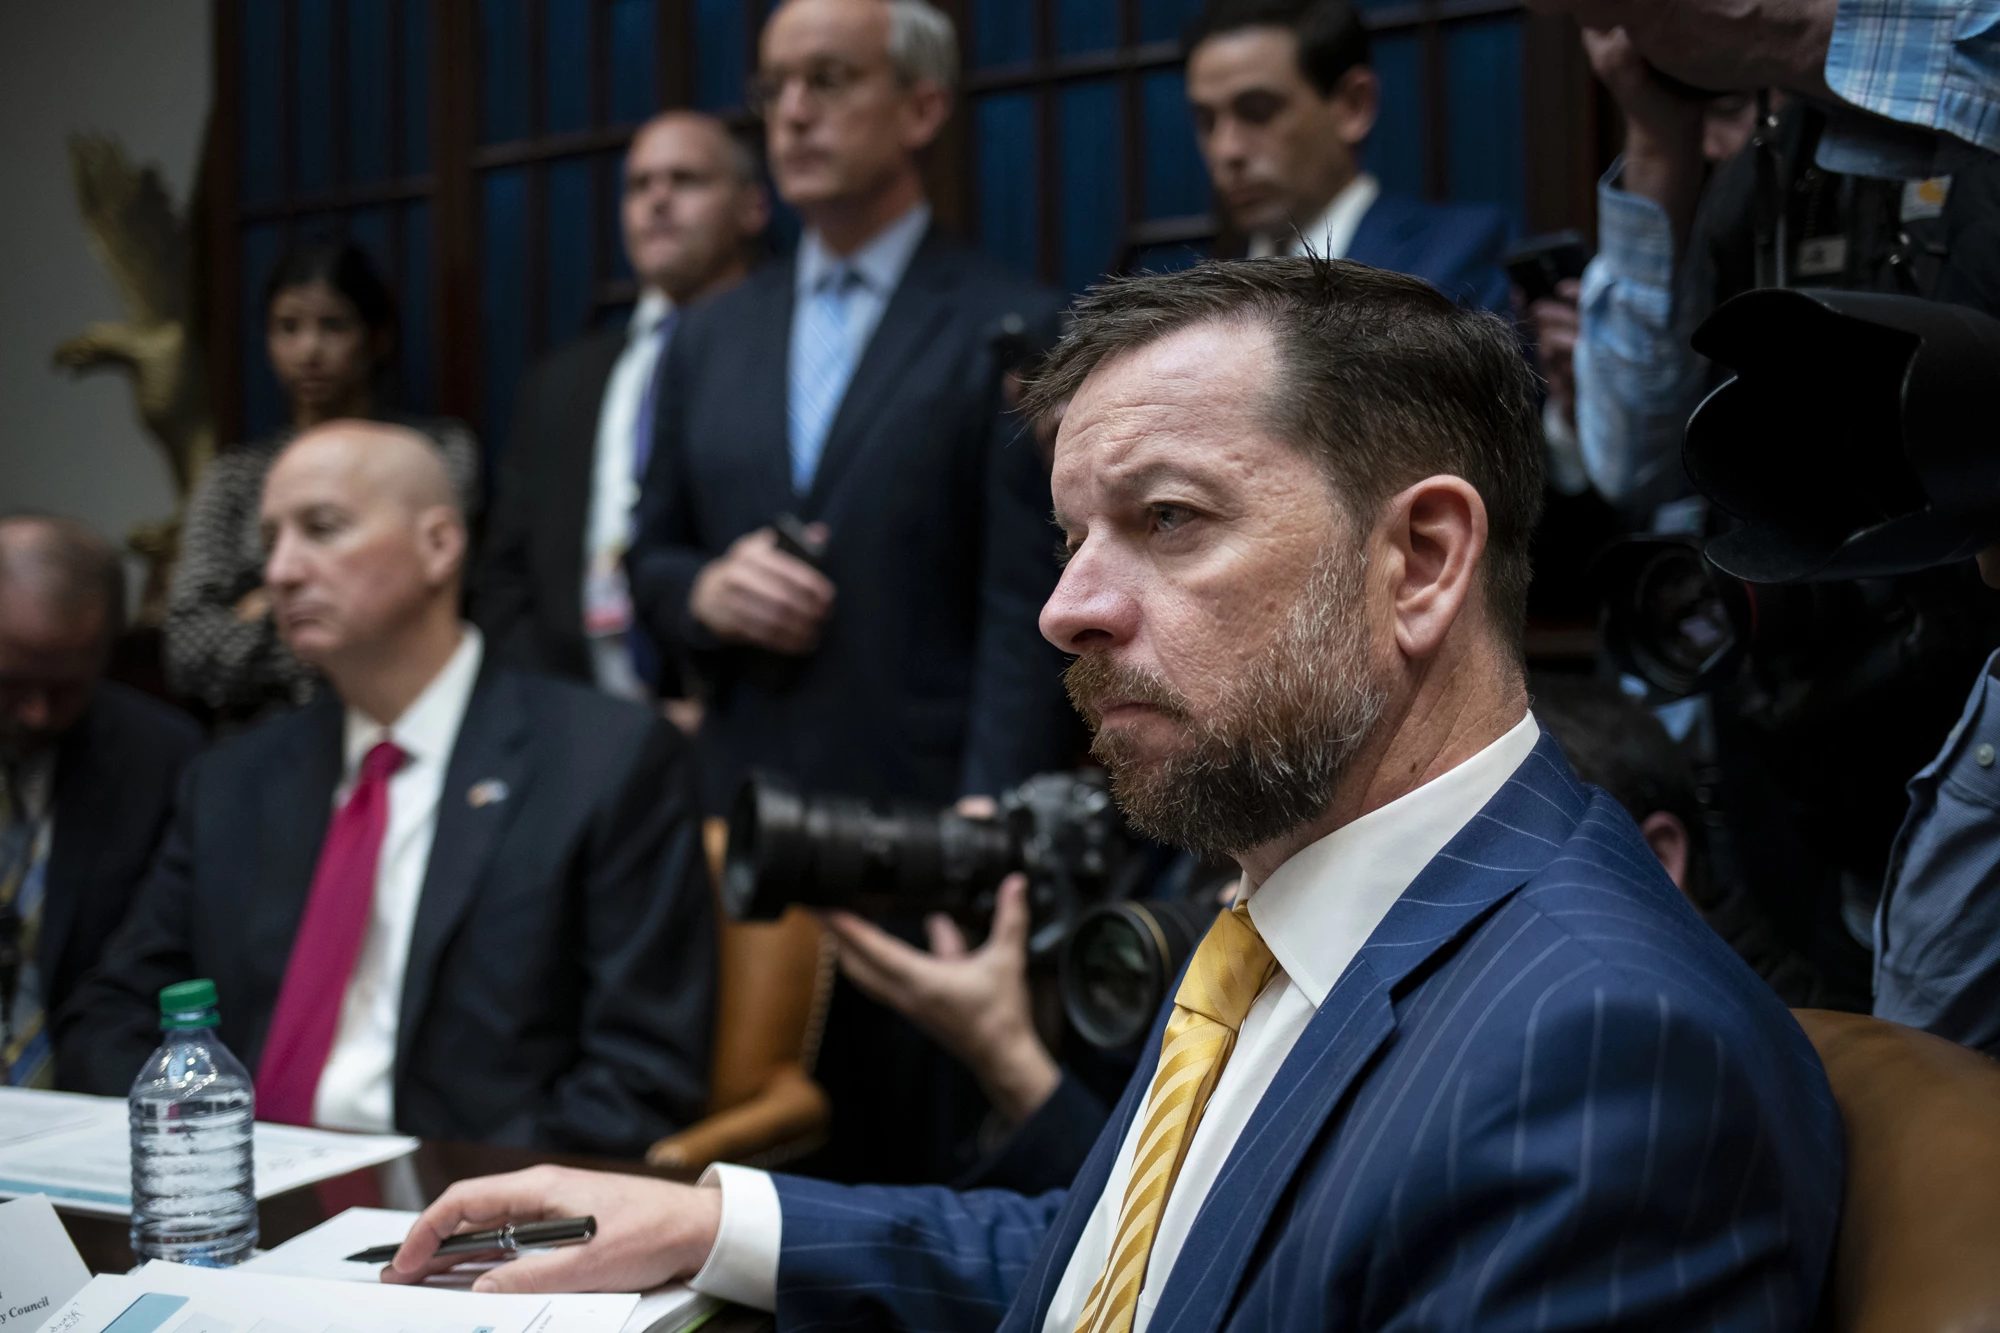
x=743 y=1266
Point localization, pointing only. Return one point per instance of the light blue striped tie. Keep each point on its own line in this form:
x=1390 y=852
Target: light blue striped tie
x=823 y=359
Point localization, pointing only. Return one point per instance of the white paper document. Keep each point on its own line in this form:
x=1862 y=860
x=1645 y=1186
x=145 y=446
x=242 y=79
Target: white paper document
x=78 y=1151
x=39 y=1268
x=322 y=1253
x=170 y=1298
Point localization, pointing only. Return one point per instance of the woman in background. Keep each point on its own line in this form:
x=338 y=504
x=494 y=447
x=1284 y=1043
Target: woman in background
x=330 y=327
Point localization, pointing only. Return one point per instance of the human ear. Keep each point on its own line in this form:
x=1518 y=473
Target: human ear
x=926 y=106
x=1435 y=533
x=1668 y=838
x=1357 y=101
x=441 y=537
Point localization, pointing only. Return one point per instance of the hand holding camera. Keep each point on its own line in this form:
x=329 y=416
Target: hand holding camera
x=761 y=594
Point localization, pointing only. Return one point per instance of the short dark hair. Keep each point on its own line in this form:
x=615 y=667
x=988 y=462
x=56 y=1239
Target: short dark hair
x=1332 y=37
x=1616 y=743
x=343 y=266
x=1379 y=378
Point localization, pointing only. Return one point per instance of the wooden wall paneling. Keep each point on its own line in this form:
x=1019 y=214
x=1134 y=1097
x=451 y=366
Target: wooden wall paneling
x=673 y=31
x=214 y=240
x=454 y=210
x=951 y=166
x=1048 y=152
x=1565 y=147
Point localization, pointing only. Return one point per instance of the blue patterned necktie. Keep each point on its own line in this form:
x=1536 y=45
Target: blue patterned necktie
x=823 y=363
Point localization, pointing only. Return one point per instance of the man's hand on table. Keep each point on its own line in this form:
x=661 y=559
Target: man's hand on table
x=648 y=1231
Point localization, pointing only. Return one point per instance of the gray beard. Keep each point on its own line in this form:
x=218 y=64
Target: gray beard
x=1272 y=757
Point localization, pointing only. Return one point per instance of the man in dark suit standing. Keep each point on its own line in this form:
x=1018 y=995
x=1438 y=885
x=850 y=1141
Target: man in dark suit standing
x=87 y=777
x=549 y=588
x=1283 y=98
x=448 y=898
x=858 y=388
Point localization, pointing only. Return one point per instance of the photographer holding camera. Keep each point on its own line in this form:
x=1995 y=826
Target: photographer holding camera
x=1885 y=109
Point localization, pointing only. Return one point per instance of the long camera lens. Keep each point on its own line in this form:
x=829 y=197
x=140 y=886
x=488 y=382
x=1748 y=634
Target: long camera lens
x=1671 y=618
x=835 y=851
x=1119 y=962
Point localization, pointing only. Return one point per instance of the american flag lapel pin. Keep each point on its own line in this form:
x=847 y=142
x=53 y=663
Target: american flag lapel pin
x=490 y=792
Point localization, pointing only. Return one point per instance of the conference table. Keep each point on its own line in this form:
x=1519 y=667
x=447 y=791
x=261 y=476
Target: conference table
x=407 y=1182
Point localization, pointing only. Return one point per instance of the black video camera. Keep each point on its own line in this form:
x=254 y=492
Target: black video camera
x=1060 y=829
x=1116 y=955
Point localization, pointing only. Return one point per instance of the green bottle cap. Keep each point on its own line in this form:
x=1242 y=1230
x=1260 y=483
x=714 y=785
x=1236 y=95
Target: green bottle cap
x=189 y=997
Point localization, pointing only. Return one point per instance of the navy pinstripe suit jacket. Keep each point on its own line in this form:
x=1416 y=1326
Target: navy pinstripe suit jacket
x=1544 y=1096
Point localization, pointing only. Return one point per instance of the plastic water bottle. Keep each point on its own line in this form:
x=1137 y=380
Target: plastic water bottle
x=194 y=1199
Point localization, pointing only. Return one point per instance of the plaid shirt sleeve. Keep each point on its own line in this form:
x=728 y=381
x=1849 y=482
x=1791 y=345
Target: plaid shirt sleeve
x=1934 y=64
x=1637 y=380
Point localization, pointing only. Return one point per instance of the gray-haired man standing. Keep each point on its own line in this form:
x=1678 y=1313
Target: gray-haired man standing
x=857 y=387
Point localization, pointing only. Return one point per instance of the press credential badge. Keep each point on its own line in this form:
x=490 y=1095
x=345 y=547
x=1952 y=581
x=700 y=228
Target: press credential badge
x=39 y=1268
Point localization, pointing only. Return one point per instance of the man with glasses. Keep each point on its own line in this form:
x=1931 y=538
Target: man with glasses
x=854 y=396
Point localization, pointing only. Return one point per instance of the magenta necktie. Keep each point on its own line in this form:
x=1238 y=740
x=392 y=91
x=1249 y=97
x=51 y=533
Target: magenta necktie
x=328 y=942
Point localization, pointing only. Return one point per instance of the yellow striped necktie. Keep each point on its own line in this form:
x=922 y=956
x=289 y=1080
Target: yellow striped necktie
x=1229 y=970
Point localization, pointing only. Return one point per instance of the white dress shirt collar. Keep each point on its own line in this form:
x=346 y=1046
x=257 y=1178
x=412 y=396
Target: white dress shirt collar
x=1331 y=234
x=881 y=262
x=1318 y=909
x=652 y=307
x=428 y=728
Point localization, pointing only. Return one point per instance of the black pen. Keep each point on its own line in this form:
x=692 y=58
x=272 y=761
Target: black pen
x=510 y=1239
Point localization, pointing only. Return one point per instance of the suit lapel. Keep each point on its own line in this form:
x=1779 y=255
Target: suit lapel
x=296 y=803
x=1376 y=242
x=1511 y=839
x=767 y=347
x=918 y=305
x=85 y=806
x=483 y=786
x=1045 y=1274
x=573 y=467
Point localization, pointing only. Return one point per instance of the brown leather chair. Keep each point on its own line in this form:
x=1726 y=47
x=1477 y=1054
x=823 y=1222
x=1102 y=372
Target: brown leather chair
x=1919 y=1248
x=775 y=978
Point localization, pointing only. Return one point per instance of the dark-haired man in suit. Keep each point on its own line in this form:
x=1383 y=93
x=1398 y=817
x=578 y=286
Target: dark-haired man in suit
x=88 y=770
x=448 y=898
x=549 y=588
x=1463 y=1057
x=1283 y=98
x=858 y=388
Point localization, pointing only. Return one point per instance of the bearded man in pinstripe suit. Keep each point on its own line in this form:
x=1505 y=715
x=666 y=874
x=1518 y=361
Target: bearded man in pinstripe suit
x=1465 y=1058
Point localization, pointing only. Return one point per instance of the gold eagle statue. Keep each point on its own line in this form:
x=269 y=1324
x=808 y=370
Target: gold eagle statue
x=146 y=246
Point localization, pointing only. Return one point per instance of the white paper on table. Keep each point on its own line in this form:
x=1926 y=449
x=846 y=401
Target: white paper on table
x=322 y=1253
x=40 y=1269
x=171 y=1297
x=81 y=1154
x=27 y=1113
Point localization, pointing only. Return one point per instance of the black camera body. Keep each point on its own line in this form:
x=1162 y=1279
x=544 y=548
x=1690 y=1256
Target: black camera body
x=1060 y=829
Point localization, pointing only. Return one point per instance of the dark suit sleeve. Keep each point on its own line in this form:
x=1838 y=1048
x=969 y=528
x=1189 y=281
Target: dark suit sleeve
x=1479 y=275
x=666 y=552
x=502 y=594
x=1019 y=721
x=649 y=940
x=105 y=1031
x=1617 y=1169
x=1048 y=1148
x=915 y=1257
